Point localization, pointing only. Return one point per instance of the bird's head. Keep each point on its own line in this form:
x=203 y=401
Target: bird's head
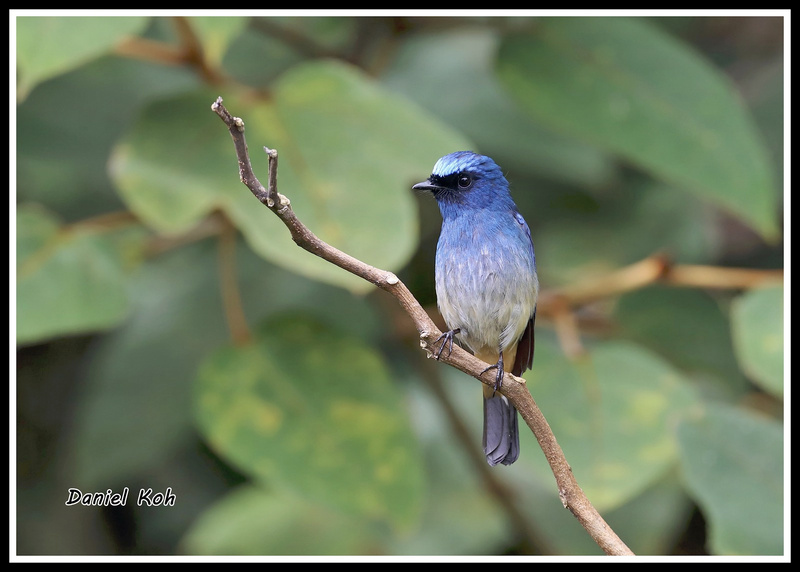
x=466 y=178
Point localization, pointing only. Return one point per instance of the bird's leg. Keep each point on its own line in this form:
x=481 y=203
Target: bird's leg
x=498 y=381
x=447 y=337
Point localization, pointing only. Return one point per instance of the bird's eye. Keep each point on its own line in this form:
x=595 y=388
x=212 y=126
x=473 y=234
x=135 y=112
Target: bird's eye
x=464 y=181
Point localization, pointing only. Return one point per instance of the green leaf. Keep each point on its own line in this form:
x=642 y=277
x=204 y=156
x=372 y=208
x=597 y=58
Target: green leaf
x=69 y=151
x=256 y=59
x=48 y=46
x=613 y=414
x=68 y=281
x=733 y=464
x=315 y=412
x=649 y=523
x=458 y=516
x=485 y=112
x=629 y=88
x=654 y=521
x=632 y=223
x=349 y=153
x=169 y=168
x=757 y=324
x=216 y=34
x=251 y=521
x=687 y=327
x=135 y=407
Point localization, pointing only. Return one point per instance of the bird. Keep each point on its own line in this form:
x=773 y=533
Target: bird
x=486 y=283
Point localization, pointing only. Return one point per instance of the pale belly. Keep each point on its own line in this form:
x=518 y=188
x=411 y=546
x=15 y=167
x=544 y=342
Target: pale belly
x=489 y=297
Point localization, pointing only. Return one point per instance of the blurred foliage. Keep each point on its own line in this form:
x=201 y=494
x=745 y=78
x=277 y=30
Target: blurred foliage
x=287 y=404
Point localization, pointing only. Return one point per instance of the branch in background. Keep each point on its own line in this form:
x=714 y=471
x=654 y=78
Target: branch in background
x=700 y=276
x=105 y=222
x=659 y=269
x=303 y=44
x=188 y=52
x=231 y=299
x=514 y=388
x=150 y=50
x=520 y=523
x=560 y=304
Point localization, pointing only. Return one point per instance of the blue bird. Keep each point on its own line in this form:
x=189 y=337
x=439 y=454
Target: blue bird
x=486 y=283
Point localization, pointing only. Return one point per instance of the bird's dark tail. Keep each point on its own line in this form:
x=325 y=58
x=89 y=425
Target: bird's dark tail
x=500 y=430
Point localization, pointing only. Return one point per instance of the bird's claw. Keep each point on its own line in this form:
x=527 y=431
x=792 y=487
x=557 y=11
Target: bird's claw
x=448 y=338
x=498 y=380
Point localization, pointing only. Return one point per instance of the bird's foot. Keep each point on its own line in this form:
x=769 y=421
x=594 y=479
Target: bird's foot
x=446 y=338
x=498 y=381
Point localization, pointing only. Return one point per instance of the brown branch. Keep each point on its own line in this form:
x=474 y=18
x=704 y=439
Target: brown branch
x=188 y=52
x=657 y=269
x=229 y=287
x=514 y=388
x=193 y=50
x=699 y=276
x=504 y=495
x=150 y=51
x=104 y=222
x=560 y=304
x=566 y=327
x=629 y=278
x=212 y=225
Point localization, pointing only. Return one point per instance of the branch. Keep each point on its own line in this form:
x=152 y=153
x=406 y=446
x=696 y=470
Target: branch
x=188 y=52
x=503 y=494
x=231 y=300
x=658 y=269
x=514 y=388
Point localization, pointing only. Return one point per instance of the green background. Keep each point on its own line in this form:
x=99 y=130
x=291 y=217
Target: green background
x=170 y=334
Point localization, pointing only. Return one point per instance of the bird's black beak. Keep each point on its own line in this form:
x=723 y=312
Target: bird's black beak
x=425 y=186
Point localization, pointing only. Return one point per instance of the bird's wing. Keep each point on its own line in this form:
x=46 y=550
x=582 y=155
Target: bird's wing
x=524 y=358
x=525 y=346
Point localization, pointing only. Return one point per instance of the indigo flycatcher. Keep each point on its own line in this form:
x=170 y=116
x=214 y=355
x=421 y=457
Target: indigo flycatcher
x=486 y=283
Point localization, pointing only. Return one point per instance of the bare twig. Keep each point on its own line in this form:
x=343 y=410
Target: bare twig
x=620 y=281
x=105 y=222
x=701 y=276
x=188 y=51
x=150 y=50
x=231 y=300
x=514 y=388
x=560 y=304
x=658 y=269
